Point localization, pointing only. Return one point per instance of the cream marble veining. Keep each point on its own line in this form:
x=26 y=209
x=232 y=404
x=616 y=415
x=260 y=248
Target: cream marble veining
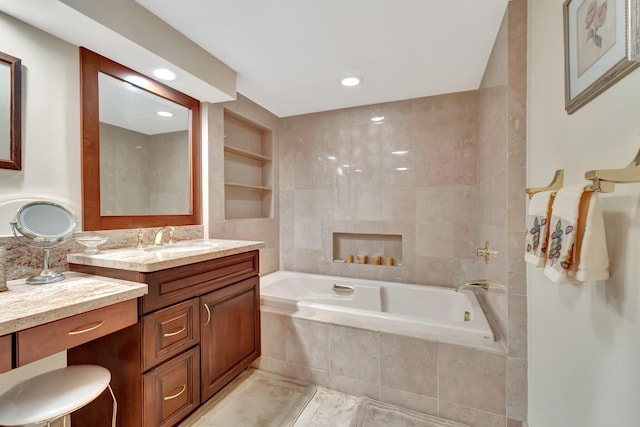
x=145 y=260
x=25 y=306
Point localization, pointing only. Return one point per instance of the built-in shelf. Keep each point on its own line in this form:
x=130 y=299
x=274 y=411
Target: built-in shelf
x=369 y=244
x=245 y=153
x=251 y=187
x=248 y=168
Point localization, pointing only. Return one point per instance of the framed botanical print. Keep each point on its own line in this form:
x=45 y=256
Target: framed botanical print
x=602 y=45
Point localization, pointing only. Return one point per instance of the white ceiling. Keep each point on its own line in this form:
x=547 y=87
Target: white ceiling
x=290 y=54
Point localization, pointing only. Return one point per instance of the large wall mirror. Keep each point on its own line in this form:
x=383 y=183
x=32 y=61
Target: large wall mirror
x=140 y=149
x=10 y=112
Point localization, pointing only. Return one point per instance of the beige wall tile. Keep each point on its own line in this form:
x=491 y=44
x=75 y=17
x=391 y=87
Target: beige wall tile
x=268 y=364
x=517 y=335
x=310 y=375
x=405 y=399
x=472 y=378
x=353 y=386
x=355 y=353
x=273 y=332
x=517 y=388
x=307 y=344
x=409 y=364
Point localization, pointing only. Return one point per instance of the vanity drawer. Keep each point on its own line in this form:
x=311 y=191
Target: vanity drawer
x=169 y=331
x=177 y=284
x=5 y=353
x=172 y=390
x=41 y=341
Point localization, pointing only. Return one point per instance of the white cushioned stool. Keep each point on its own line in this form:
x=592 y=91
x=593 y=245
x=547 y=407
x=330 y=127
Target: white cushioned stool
x=53 y=395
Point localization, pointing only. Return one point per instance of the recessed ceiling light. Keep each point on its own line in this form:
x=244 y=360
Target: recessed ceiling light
x=164 y=74
x=331 y=157
x=351 y=81
x=377 y=119
x=400 y=152
x=358 y=170
x=346 y=166
x=402 y=169
x=164 y=114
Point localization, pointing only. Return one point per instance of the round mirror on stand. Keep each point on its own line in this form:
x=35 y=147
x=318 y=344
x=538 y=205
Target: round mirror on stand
x=43 y=225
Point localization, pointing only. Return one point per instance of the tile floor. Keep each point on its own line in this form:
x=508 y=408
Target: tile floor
x=328 y=408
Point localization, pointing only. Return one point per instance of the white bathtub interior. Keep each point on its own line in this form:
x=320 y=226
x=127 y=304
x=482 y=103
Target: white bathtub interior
x=417 y=310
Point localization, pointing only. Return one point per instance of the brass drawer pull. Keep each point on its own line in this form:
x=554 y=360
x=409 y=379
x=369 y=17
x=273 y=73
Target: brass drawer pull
x=173 y=396
x=89 y=328
x=172 y=334
x=208 y=314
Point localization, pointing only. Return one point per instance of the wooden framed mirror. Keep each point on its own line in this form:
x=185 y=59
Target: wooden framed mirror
x=140 y=149
x=10 y=112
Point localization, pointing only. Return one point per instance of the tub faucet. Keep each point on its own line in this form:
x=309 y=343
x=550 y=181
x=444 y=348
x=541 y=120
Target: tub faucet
x=479 y=284
x=157 y=240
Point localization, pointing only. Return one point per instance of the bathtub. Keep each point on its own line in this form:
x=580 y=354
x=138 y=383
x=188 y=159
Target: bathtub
x=416 y=310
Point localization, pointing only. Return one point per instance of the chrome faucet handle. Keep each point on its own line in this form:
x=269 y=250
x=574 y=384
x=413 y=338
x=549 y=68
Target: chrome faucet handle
x=171 y=232
x=140 y=237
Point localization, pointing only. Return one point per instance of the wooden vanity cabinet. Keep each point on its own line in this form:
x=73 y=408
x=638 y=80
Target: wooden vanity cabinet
x=198 y=327
x=5 y=353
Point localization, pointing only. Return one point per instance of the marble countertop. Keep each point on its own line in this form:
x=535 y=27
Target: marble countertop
x=155 y=258
x=25 y=306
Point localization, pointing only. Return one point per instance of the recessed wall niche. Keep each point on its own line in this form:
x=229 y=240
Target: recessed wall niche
x=371 y=245
x=248 y=175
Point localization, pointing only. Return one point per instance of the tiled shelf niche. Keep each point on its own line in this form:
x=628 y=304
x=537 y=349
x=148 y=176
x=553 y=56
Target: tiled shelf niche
x=383 y=245
x=248 y=177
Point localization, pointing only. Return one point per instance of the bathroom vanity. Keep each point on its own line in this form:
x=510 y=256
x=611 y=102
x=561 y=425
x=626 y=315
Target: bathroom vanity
x=38 y=321
x=198 y=327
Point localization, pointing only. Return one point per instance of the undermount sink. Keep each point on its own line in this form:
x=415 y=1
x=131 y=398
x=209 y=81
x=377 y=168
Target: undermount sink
x=183 y=247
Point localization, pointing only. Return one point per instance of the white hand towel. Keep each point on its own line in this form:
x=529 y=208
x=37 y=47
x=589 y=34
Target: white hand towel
x=577 y=244
x=538 y=228
x=591 y=254
x=563 y=226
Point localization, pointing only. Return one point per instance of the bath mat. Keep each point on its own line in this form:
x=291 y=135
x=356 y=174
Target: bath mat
x=371 y=413
x=254 y=399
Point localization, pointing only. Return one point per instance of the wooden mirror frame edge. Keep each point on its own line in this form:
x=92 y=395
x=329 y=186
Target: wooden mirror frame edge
x=90 y=64
x=15 y=109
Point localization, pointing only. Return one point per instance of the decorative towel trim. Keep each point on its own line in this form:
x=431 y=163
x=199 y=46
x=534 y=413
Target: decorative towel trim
x=537 y=236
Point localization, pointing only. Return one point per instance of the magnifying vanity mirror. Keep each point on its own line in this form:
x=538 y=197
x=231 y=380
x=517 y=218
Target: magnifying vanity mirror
x=43 y=225
x=140 y=149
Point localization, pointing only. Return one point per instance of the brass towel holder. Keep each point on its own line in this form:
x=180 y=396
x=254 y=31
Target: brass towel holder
x=602 y=180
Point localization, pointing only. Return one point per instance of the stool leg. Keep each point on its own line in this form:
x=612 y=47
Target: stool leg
x=115 y=407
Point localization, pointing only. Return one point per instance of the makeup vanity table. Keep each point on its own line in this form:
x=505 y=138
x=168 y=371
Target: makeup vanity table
x=38 y=321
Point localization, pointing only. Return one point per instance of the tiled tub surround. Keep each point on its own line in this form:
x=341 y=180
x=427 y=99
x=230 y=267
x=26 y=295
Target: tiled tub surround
x=24 y=261
x=452 y=381
x=413 y=175
x=421 y=311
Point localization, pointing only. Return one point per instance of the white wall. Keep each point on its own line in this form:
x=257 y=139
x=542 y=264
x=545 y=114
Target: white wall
x=50 y=139
x=584 y=340
x=50 y=120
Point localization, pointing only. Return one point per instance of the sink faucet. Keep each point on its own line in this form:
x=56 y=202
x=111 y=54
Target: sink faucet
x=157 y=240
x=479 y=284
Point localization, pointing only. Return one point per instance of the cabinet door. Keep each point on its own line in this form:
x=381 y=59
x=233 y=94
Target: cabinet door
x=230 y=333
x=171 y=391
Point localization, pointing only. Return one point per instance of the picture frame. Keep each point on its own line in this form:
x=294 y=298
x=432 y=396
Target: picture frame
x=602 y=45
